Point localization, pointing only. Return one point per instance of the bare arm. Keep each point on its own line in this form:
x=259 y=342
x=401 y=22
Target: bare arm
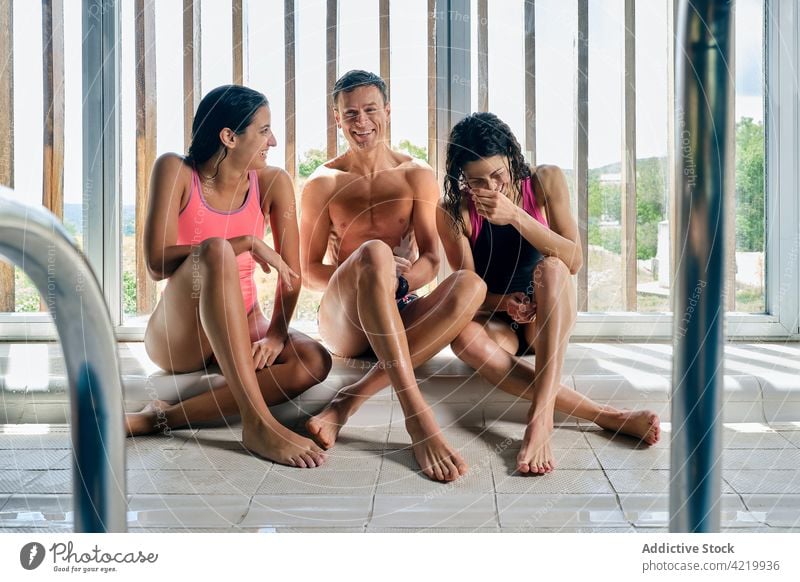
x=167 y=183
x=459 y=255
x=426 y=196
x=282 y=216
x=561 y=240
x=315 y=228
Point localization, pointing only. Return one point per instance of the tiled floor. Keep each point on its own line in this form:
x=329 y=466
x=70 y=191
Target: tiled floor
x=202 y=480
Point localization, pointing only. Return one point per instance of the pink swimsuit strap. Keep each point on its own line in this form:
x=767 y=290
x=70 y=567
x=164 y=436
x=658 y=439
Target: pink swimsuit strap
x=528 y=204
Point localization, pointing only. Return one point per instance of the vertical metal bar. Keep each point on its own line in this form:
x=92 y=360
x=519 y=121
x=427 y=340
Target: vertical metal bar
x=705 y=118
x=146 y=133
x=530 y=81
x=53 y=103
x=582 y=148
x=192 y=53
x=672 y=176
x=483 y=55
x=239 y=39
x=433 y=158
x=289 y=27
x=730 y=189
x=385 y=48
x=7 y=291
x=628 y=182
x=34 y=240
x=332 y=62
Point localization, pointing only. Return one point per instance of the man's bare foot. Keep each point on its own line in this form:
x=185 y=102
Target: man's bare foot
x=148 y=420
x=641 y=424
x=535 y=455
x=277 y=443
x=325 y=426
x=437 y=459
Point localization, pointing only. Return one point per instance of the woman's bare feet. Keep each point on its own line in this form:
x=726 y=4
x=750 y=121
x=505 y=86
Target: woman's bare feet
x=437 y=459
x=273 y=441
x=324 y=427
x=148 y=420
x=535 y=455
x=641 y=424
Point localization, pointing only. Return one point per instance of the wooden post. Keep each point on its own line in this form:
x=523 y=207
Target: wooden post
x=332 y=60
x=7 y=298
x=628 y=166
x=289 y=22
x=483 y=55
x=530 y=81
x=582 y=148
x=146 y=129
x=385 y=48
x=192 y=52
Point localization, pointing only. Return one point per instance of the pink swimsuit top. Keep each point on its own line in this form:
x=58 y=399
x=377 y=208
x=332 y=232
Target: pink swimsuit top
x=528 y=204
x=199 y=221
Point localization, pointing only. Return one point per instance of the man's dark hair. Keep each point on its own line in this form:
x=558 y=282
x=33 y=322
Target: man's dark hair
x=358 y=78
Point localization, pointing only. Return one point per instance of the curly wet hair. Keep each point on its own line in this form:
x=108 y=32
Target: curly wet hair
x=480 y=135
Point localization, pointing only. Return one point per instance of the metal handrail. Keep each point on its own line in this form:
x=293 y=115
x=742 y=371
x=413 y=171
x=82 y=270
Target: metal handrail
x=703 y=155
x=33 y=239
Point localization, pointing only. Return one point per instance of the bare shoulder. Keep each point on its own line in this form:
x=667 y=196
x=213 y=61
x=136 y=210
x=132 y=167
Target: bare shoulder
x=419 y=175
x=274 y=184
x=552 y=182
x=320 y=186
x=172 y=166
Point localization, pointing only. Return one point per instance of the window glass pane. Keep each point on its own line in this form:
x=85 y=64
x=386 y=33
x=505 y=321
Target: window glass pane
x=749 y=115
x=652 y=186
x=605 y=130
x=28 y=123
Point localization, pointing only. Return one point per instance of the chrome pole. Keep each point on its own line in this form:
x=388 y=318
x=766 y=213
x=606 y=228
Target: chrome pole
x=33 y=239
x=704 y=116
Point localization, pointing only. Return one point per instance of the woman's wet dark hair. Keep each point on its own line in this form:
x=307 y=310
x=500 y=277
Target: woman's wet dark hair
x=231 y=106
x=480 y=135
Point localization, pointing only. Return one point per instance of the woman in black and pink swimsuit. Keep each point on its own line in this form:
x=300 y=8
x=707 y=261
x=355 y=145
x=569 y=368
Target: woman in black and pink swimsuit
x=512 y=224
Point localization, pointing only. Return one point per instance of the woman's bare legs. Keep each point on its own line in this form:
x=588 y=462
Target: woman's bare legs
x=303 y=363
x=487 y=345
x=202 y=313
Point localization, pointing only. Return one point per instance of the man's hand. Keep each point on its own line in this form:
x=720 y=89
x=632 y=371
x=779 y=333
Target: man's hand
x=494 y=206
x=266 y=350
x=401 y=265
x=519 y=307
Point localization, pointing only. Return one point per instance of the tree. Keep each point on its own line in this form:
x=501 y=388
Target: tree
x=414 y=151
x=749 y=185
x=312 y=159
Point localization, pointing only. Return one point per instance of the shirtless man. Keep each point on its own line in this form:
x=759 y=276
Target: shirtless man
x=365 y=209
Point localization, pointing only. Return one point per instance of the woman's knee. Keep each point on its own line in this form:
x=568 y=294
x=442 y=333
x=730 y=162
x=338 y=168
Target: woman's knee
x=314 y=362
x=551 y=279
x=216 y=253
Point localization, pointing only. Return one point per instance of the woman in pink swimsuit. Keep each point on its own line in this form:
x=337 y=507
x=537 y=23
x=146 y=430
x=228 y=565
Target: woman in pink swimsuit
x=204 y=231
x=512 y=224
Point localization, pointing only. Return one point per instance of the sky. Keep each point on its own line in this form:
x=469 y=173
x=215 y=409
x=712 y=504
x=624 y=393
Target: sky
x=358 y=48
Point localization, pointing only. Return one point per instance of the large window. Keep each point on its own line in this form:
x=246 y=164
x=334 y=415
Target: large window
x=174 y=52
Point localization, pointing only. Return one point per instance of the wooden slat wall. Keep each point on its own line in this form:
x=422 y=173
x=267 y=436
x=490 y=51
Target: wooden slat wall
x=483 y=55
x=289 y=22
x=331 y=62
x=385 y=44
x=433 y=158
x=145 y=40
x=7 y=295
x=628 y=182
x=530 y=81
x=192 y=51
x=239 y=39
x=582 y=147
x=53 y=102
